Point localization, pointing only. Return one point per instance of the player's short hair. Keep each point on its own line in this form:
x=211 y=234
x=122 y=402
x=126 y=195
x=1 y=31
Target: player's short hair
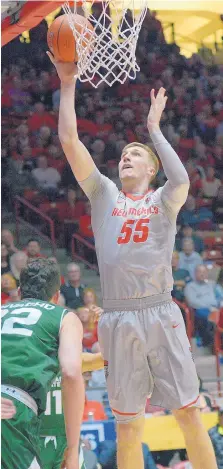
x=40 y=280
x=150 y=153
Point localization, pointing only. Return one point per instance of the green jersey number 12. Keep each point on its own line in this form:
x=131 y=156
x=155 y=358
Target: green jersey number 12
x=33 y=315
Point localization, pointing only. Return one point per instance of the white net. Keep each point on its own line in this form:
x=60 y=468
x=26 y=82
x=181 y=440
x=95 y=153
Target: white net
x=108 y=54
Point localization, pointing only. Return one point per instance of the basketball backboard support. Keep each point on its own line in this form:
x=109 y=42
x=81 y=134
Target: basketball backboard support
x=19 y=16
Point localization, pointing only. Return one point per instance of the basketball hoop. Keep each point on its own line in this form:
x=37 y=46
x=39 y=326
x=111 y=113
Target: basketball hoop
x=110 y=54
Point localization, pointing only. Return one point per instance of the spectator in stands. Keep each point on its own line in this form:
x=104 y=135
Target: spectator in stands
x=188 y=213
x=90 y=457
x=43 y=138
x=108 y=455
x=85 y=230
x=90 y=298
x=5 y=166
x=8 y=284
x=18 y=261
x=20 y=173
x=28 y=162
x=47 y=178
x=211 y=184
x=54 y=259
x=218 y=158
x=93 y=410
x=216 y=435
x=188 y=258
x=4 y=259
x=180 y=276
x=71 y=293
x=219 y=288
x=20 y=98
x=23 y=138
x=56 y=158
x=201 y=295
x=97 y=151
x=72 y=211
x=8 y=240
x=187 y=232
x=67 y=177
x=40 y=117
x=33 y=249
x=191 y=215
x=90 y=335
x=217 y=206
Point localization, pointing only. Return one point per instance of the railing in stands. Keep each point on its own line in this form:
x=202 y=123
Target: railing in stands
x=19 y=202
x=80 y=257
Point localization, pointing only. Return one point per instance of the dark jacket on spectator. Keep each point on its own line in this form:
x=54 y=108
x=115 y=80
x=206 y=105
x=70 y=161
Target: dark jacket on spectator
x=216 y=435
x=73 y=296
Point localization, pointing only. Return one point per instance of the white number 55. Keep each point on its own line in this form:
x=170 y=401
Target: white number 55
x=33 y=315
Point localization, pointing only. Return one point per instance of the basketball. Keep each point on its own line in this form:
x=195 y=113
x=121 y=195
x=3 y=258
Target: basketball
x=60 y=37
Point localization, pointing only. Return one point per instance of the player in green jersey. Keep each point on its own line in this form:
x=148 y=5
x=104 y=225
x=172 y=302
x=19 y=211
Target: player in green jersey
x=53 y=435
x=39 y=339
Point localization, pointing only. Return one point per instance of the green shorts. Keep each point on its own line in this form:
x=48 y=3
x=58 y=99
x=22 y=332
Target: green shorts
x=52 y=450
x=20 y=439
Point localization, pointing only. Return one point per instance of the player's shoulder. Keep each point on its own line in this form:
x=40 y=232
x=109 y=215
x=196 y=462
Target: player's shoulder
x=70 y=319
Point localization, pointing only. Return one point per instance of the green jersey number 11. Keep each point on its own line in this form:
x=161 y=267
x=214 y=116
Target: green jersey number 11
x=54 y=403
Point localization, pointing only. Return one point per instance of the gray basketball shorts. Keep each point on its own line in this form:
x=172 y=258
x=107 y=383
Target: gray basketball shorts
x=147 y=354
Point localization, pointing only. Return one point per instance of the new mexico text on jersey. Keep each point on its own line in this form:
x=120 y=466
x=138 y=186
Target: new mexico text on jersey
x=30 y=341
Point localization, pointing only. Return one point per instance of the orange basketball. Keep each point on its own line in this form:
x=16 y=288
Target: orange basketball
x=60 y=37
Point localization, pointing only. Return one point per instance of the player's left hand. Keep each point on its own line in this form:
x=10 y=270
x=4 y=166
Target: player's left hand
x=158 y=104
x=8 y=409
x=70 y=459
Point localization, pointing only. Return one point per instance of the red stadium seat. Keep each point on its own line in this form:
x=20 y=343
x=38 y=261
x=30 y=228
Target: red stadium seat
x=203 y=203
x=213 y=242
x=30 y=194
x=54 y=208
x=45 y=207
x=213 y=255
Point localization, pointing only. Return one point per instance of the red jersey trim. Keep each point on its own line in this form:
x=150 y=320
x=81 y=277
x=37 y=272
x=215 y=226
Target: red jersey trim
x=136 y=197
x=188 y=405
x=124 y=413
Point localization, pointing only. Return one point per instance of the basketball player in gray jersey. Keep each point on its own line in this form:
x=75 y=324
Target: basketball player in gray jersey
x=141 y=333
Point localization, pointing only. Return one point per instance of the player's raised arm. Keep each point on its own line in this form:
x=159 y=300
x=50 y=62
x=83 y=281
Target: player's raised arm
x=77 y=154
x=174 y=192
x=70 y=358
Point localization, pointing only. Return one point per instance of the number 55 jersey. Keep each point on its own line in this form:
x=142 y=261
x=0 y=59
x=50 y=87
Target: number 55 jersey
x=30 y=342
x=134 y=237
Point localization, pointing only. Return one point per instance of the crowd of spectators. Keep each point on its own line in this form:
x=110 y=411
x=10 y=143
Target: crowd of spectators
x=33 y=163
x=34 y=167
